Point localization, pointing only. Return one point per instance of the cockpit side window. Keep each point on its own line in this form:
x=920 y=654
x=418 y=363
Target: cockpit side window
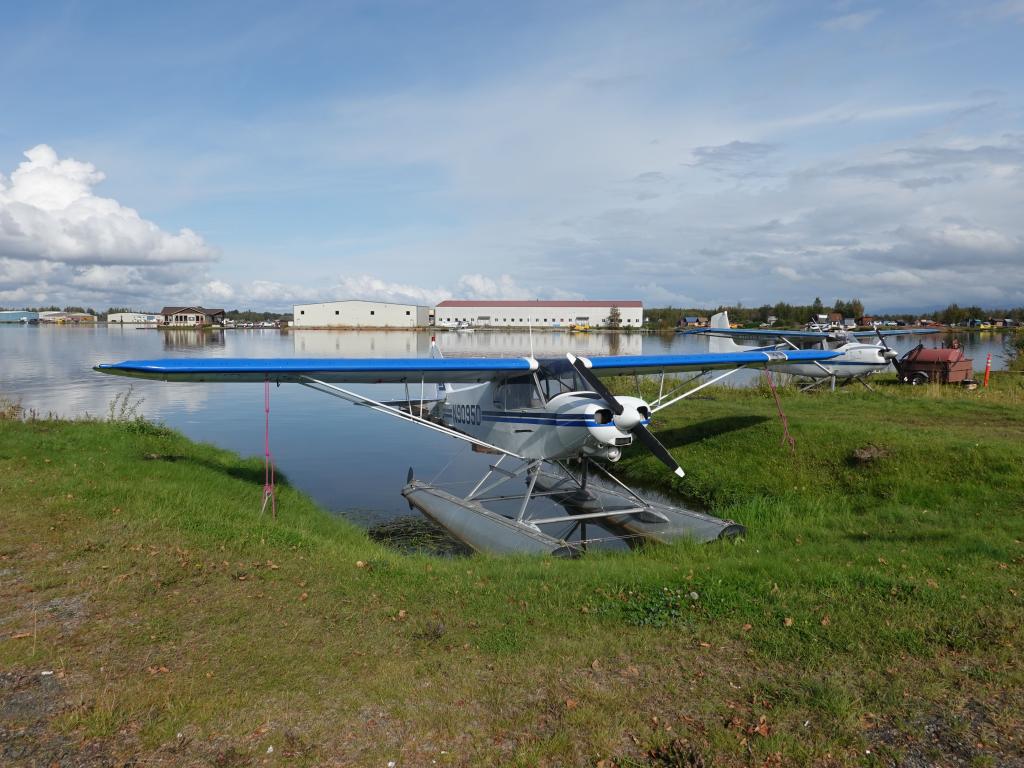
x=518 y=392
x=555 y=384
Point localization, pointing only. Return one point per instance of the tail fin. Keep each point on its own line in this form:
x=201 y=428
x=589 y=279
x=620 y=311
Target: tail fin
x=435 y=352
x=722 y=343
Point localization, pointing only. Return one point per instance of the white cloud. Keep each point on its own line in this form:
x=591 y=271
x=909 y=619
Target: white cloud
x=219 y=290
x=368 y=287
x=49 y=212
x=1009 y=9
x=850 y=22
x=892 y=278
x=787 y=273
x=982 y=240
x=482 y=287
x=61 y=243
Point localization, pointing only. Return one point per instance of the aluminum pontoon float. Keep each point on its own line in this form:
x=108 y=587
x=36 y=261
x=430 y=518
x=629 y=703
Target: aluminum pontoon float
x=474 y=520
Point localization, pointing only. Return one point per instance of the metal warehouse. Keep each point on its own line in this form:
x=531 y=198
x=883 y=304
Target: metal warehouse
x=551 y=314
x=134 y=318
x=354 y=313
x=18 y=316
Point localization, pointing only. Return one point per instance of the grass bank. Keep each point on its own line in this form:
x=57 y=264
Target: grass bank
x=872 y=616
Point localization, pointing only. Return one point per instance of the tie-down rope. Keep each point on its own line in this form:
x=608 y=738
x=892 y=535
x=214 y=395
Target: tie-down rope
x=268 y=461
x=786 y=437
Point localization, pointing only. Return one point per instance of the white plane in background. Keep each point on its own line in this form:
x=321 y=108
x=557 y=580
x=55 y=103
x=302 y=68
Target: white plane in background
x=855 y=359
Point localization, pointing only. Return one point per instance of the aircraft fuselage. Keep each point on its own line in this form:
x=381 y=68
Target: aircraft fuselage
x=855 y=360
x=514 y=414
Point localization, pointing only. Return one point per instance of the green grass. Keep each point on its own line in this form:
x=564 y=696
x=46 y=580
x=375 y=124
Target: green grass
x=873 y=612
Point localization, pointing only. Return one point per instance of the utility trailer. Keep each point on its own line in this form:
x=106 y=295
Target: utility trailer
x=935 y=366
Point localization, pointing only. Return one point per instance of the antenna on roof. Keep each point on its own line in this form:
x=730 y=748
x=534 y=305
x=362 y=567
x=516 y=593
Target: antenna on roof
x=530 y=327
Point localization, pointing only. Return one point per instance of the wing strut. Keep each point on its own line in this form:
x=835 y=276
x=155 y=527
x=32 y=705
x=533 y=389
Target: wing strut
x=698 y=388
x=376 y=405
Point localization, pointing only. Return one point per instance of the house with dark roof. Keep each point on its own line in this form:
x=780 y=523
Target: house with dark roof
x=191 y=317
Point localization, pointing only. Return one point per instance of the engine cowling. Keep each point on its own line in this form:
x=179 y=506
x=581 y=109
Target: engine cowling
x=607 y=431
x=609 y=428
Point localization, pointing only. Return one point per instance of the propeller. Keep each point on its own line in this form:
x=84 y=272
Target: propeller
x=637 y=429
x=890 y=354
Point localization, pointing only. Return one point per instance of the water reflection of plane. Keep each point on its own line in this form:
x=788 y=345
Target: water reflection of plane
x=192 y=338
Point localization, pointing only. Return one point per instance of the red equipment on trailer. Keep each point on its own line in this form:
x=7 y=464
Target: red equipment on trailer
x=935 y=366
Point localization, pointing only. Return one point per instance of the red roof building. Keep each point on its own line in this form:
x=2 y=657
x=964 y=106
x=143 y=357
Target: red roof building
x=564 y=313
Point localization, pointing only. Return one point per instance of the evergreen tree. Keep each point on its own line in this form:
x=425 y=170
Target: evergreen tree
x=614 y=317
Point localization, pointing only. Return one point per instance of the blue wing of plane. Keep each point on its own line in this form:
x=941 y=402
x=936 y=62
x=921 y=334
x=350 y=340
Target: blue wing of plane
x=431 y=370
x=334 y=370
x=647 y=364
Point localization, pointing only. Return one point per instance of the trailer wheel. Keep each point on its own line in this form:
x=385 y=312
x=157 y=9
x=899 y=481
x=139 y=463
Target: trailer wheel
x=918 y=378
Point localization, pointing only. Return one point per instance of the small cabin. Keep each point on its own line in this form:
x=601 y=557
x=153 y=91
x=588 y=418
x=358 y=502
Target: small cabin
x=191 y=317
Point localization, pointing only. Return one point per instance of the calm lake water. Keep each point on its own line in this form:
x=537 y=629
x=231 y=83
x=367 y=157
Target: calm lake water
x=348 y=458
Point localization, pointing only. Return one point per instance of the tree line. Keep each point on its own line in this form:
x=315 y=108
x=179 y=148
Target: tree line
x=786 y=314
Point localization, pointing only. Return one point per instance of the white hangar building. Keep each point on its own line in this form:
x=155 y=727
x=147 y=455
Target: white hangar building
x=539 y=314
x=353 y=313
x=134 y=318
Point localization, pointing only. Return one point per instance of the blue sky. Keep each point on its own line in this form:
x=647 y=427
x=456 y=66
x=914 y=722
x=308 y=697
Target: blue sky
x=257 y=154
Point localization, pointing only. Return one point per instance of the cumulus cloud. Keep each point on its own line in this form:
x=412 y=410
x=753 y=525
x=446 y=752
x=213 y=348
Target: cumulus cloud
x=276 y=295
x=218 y=290
x=787 y=273
x=61 y=242
x=50 y=212
x=482 y=287
x=368 y=287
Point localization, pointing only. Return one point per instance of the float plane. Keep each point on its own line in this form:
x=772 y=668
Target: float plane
x=855 y=359
x=536 y=415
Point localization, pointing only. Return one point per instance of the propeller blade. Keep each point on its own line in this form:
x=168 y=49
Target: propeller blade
x=891 y=354
x=596 y=384
x=639 y=431
x=655 y=447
